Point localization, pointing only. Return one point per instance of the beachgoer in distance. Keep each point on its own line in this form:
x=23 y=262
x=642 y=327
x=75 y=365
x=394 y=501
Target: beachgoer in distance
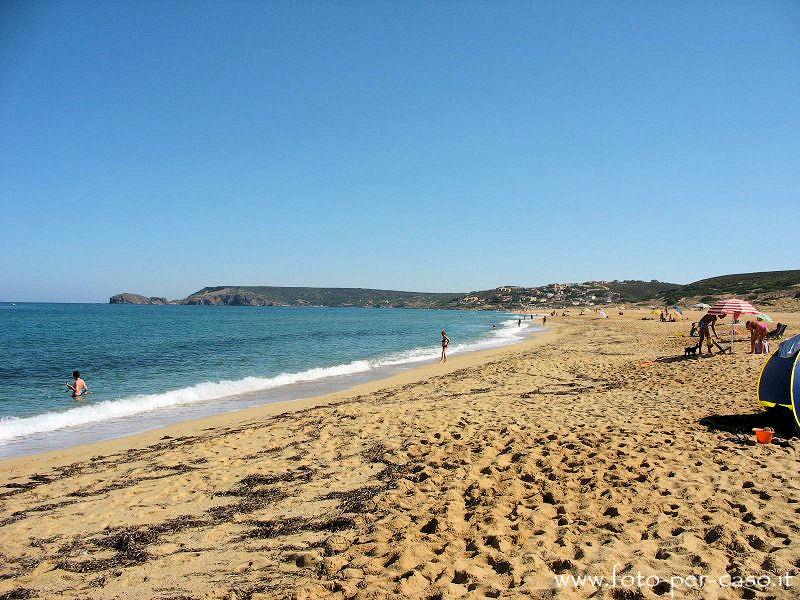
x=544 y=320
x=703 y=326
x=445 y=344
x=78 y=387
x=519 y=322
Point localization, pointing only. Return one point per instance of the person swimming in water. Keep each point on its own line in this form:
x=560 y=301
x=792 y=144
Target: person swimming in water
x=445 y=344
x=79 y=387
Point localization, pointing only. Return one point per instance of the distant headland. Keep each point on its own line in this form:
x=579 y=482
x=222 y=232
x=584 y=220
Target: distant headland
x=138 y=299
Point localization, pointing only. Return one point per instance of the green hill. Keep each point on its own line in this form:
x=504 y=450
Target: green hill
x=635 y=291
x=744 y=285
x=311 y=296
x=588 y=293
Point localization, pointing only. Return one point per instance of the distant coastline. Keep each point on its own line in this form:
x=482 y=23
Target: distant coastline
x=780 y=289
x=589 y=293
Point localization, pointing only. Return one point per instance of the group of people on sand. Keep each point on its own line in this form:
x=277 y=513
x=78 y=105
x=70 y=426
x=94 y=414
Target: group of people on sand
x=705 y=328
x=666 y=317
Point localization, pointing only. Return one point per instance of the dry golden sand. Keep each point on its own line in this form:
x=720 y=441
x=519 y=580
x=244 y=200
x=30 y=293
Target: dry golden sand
x=483 y=478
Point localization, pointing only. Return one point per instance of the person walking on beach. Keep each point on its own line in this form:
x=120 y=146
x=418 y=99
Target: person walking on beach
x=703 y=326
x=78 y=387
x=445 y=344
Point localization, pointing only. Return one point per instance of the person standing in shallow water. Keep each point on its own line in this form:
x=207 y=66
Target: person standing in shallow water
x=79 y=387
x=445 y=344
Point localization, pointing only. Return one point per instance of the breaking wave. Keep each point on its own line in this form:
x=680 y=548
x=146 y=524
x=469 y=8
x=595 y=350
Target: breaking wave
x=15 y=427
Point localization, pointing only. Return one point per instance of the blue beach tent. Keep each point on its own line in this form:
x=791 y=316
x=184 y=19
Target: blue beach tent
x=779 y=382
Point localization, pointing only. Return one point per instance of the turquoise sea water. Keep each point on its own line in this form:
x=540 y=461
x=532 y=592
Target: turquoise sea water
x=148 y=366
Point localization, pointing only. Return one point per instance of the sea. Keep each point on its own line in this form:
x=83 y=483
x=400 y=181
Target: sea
x=150 y=366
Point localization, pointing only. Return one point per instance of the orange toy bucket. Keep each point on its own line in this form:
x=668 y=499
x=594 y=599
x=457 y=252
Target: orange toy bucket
x=764 y=436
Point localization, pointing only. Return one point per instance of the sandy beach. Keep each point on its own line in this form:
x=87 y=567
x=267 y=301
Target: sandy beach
x=593 y=449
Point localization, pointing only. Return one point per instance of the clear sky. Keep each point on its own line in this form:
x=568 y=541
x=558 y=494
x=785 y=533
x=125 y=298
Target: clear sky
x=158 y=147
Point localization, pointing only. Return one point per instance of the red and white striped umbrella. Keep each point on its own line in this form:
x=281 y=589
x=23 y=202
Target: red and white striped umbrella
x=733 y=306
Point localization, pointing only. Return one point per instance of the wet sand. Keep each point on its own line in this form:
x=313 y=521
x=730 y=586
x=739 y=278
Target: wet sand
x=594 y=446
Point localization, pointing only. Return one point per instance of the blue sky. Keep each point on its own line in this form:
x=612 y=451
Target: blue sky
x=158 y=147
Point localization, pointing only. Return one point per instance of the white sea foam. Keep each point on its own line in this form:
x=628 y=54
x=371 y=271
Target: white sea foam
x=14 y=428
x=507 y=332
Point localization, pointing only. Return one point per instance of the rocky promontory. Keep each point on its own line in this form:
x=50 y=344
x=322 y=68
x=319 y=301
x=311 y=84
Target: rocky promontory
x=297 y=296
x=136 y=299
